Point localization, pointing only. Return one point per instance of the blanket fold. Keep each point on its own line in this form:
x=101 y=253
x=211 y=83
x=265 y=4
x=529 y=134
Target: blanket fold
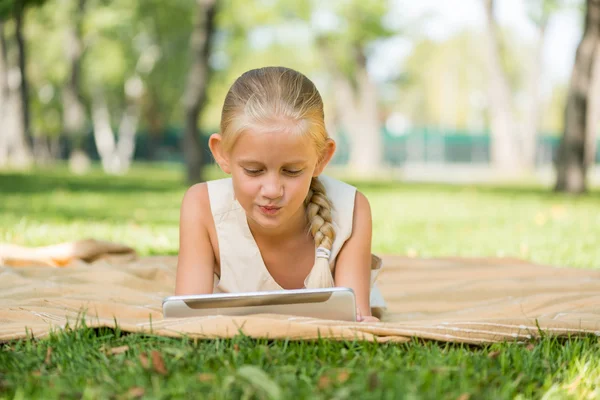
x=474 y=300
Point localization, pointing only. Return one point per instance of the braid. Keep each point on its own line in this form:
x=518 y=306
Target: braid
x=318 y=210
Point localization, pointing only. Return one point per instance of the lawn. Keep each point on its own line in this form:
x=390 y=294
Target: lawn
x=141 y=209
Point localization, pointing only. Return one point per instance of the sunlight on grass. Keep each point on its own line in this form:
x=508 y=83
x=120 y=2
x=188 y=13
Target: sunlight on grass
x=141 y=209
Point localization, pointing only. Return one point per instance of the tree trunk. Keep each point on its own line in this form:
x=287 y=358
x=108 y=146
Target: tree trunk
x=358 y=112
x=4 y=93
x=104 y=137
x=116 y=155
x=127 y=129
x=593 y=114
x=504 y=149
x=14 y=147
x=154 y=120
x=366 y=152
x=74 y=115
x=532 y=113
x=197 y=81
x=570 y=160
x=41 y=150
x=22 y=63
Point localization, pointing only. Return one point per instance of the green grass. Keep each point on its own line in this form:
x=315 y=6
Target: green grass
x=142 y=209
x=79 y=363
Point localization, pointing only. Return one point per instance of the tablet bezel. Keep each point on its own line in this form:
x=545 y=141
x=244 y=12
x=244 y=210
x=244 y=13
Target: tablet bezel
x=258 y=299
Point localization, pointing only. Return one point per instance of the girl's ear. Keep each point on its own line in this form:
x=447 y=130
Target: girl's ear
x=326 y=156
x=215 y=144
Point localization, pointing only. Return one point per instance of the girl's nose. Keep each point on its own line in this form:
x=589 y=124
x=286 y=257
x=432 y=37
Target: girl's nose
x=272 y=187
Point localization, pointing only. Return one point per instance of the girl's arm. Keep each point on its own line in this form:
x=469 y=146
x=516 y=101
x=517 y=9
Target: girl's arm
x=353 y=265
x=196 y=260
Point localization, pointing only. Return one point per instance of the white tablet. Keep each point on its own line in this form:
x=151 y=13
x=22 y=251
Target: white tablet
x=330 y=303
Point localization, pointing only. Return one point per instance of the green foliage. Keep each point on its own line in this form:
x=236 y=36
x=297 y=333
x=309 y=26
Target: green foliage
x=254 y=34
x=8 y=7
x=363 y=21
x=355 y=26
x=164 y=32
x=540 y=11
x=439 y=88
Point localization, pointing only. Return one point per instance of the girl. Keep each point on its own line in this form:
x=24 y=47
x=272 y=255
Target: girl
x=277 y=223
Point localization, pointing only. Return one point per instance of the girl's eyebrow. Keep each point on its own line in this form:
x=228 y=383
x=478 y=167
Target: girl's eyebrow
x=250 y=161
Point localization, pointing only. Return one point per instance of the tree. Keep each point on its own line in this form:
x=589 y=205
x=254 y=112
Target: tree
x=345 y=51
x=439 y=87
x=504 y=133
x=167 y=28
x=540 y=13
x=4 y=95
x=14 y=97
x=74 y=110
x=194 y=97
x=115 y=79
x=571 y=157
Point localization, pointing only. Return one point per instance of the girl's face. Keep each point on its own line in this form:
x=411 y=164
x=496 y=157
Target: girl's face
x=271 y=173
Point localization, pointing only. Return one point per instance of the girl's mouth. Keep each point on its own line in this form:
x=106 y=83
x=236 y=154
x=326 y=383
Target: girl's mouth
x=269 y=210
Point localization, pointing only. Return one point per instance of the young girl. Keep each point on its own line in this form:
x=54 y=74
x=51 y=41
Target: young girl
x=277 y=223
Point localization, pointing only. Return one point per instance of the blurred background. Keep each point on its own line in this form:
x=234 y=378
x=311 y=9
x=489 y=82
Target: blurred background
x=445 y=91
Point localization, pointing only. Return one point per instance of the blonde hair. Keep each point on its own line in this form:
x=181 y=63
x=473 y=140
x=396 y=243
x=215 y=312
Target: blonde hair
x=262 y=96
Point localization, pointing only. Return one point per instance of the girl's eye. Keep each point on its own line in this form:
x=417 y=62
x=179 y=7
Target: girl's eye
x=293 y=172
x=252 y=171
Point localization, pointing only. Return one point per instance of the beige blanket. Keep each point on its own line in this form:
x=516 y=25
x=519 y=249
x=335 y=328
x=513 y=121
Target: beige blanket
x=448 y=299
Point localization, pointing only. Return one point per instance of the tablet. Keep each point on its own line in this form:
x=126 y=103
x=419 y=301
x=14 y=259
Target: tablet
x=329 y=303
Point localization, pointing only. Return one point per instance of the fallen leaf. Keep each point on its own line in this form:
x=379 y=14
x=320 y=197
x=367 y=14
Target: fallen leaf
x=136 y=391
x=464 y=396
x=205 y=377
x=343 y=376
x=236 y=348
x=494 y=354
x=324 y=382
x=530 y=346
x=48 y=356
x=158 y=362
x=144 y=361
x=118 y=350
x=373 y=381
x=36 y=373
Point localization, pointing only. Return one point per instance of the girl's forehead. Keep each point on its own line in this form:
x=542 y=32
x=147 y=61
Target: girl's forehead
x=263 y=146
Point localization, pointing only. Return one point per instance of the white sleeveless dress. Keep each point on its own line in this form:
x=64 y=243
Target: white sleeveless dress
x=242 y=266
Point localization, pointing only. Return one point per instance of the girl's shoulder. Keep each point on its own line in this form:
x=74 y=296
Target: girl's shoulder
x=342 y=197
x=195 y=204
x=204 y=200
x=338 y=191
x=220 y=195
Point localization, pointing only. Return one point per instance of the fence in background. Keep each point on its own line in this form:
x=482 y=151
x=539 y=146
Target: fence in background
x=419 y=145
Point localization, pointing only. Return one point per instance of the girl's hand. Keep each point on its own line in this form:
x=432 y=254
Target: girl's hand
x=360 y=318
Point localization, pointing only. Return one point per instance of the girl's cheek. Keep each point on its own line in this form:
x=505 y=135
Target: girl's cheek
x=250 y=187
